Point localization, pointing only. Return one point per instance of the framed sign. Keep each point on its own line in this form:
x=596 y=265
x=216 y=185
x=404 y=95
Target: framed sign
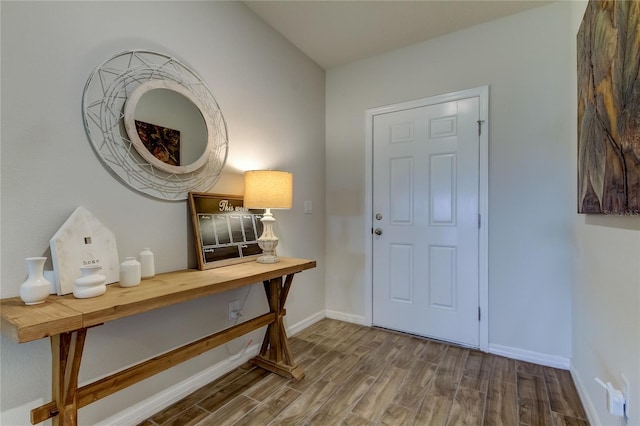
x=225 y=232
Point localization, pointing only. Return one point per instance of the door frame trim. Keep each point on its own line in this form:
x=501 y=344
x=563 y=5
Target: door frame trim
x=482 y=93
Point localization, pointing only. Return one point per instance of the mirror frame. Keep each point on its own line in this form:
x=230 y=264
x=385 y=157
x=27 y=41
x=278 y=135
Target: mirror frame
x=106 y=95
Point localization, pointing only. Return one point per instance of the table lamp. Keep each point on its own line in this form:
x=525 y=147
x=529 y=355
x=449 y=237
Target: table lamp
x=268 y=189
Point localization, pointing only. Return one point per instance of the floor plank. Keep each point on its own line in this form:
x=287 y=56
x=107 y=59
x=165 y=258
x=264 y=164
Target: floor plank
x=318 y=368
x=533 y=400
x=397 y=415
x=270 y=409
x=476 y=371
x=503 y=369
x=265 y=388
x=355 y=420
x=563 y=396
x=411 y=349
x=467 y=408
x=375 y=400
x=365 y=376
x=339 y=404
x=412 y=390
x=435 y=408
x=434 y=352
x=230 y=413
x=307 y=403
x=232 y=390
x=189 y=401
x=450 y=371
x=561 y=420
x=188 y=417
x=502 y=403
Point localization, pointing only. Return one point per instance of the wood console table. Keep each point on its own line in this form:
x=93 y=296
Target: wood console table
x=65 y=320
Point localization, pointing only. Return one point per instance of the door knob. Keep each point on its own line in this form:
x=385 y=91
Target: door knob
x=378 y=231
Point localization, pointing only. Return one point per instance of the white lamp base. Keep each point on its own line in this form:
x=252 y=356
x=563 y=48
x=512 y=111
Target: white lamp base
x=268 y=259
x=268 y=241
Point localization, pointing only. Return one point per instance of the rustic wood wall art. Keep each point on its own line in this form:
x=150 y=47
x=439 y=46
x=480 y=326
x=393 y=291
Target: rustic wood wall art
x=608 y=43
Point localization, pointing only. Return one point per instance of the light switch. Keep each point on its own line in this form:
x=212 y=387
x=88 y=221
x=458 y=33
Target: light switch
x=308 y=207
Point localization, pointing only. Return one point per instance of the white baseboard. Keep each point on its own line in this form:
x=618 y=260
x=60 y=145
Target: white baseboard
x=530 y=356
x=587 y=403
x=301 y=325
x=356 y=319
x=158 y=402
x=17 y=415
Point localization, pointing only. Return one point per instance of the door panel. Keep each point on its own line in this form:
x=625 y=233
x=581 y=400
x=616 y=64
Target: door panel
x=401 y=191
x=425 y=189
x=401 y=272
x=442 y=178
x=442 y=277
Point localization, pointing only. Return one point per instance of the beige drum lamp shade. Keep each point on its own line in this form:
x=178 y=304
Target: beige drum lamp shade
x=268 y=189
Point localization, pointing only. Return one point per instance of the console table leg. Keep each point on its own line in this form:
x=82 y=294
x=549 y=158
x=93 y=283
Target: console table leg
x=275 y=353
x=66 y=354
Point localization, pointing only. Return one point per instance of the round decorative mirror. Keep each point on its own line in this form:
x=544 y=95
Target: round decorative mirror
x=155 y=124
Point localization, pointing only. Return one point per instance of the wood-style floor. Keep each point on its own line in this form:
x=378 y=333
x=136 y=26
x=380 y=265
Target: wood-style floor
x=358 y=375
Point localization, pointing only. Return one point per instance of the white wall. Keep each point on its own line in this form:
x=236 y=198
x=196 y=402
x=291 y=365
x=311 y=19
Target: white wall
x=272 y=97
x=606 y=302
x=562 y=286
x=525 y=60
x=606 y=312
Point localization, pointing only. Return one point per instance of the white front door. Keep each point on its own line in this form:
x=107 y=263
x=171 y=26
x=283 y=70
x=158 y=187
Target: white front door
x=426 y=220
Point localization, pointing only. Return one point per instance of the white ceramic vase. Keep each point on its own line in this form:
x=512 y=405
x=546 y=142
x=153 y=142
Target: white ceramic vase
x=91 y=282
x=130 y=272
x=36 y=288
x=147 y=264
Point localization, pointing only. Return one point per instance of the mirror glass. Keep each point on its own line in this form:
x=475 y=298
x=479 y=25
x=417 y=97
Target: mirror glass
x=171 y=127
x=165 y=124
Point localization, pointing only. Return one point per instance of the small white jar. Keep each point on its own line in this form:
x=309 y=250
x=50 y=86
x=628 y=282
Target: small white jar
x=147 y=264
x=130 y=272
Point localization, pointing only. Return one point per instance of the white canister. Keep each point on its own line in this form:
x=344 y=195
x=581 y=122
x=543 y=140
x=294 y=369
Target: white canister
x=147 y=263
x=130 y=272
x=91 y=282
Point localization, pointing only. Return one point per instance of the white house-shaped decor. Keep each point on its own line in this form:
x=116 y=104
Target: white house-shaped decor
x=82 y=240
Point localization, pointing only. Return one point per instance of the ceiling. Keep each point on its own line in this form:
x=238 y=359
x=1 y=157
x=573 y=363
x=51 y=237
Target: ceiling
x=336 y=32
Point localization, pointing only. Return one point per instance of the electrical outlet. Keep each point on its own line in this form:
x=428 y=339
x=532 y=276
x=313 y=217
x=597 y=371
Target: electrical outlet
x=625 y=393
x=234 y=308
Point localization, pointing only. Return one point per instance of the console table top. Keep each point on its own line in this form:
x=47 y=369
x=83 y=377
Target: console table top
x=61 y=314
